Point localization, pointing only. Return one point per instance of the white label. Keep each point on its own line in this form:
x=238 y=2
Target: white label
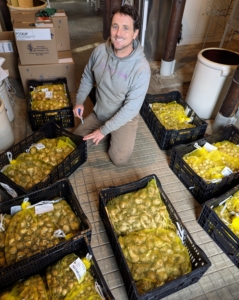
x=41 y=209
x=187 y=110
x=88 y=256
x=15 y=209
x=197 y=146
x=48 y=94
x=209 y=147
x=99 y=290
x=59 y=233
x=9 y=156
x=9 y=190
x=39 y=146
x=6 y=47
x=79 y=268
x=33 y=34
x=44 y=90
x=226 y=171
x=181 y=233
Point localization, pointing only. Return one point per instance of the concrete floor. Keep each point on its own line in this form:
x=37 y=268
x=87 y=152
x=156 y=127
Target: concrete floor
x=222 y=278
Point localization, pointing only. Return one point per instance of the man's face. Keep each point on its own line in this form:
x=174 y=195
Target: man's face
x=122 y=34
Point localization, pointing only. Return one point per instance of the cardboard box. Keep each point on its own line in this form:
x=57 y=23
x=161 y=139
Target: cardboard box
x=8 y=51
x=22 y=16
x=65 y=67
x=60 y=22
x=36 y=44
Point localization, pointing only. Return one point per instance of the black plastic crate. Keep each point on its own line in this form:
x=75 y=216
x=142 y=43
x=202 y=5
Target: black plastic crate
x=63 y=117
x=200 y=262
x=61 y=188
x=80 y=247
x=199 y=188
x=217 y=230
x=169 y=138
x=50 y=130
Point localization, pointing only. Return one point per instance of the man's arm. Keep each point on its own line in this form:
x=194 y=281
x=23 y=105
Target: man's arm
x=87 y=81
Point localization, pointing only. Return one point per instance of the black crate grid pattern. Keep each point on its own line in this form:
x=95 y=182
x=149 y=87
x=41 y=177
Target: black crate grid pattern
x=221 y=280
x=99 y=173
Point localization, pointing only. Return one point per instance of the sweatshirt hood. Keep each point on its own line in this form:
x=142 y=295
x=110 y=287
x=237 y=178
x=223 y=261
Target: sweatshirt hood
x=137 y=52
x=131 y=59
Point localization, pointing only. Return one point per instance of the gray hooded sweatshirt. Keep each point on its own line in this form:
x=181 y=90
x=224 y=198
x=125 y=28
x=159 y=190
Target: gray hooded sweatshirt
x=121 y=84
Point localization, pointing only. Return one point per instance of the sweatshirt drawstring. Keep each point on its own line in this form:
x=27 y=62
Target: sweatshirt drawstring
x=106 y=66
x=115 y=71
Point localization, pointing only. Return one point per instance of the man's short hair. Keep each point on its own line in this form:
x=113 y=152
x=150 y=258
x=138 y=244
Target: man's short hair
x=130 y=11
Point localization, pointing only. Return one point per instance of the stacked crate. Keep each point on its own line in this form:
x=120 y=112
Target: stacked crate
x=214 y=193
x=44 y=48
x=43 y=44
x=76 y=247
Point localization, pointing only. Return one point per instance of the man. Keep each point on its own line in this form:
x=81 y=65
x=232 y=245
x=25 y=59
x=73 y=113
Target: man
x=121 y=74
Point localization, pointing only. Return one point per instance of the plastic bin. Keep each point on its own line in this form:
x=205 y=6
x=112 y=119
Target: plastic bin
x=169 y=138
x=61 y=188
x=80 y=247
x=200 y=262
x=217 y=230
x=63 y=117
x=198 y=187
x=211 y=79
x=50 y=130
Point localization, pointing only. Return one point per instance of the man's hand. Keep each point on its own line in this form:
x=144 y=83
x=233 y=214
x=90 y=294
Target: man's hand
x=76 y=112
x=96 y=136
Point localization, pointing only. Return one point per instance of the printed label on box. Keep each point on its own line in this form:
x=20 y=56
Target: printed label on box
x=38 y=50
x=33 y=34
x=6 y=47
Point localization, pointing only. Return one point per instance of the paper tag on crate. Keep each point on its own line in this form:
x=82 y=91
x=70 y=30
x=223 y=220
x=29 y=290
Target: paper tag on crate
x=79 y=268
x=48 y=94
x=197 y=146
x=181 y=232
x=9 y=156
x=209 y=147
x=2 y=228
x=44 y=208
x=59 y=233
x=15 y=209
x=187 y=111
x=39 y=146
x=99 y=290
x=9 y=190
x=226 y=171
x=215 y=180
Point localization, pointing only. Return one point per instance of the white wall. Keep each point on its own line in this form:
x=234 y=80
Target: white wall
x=199 y=26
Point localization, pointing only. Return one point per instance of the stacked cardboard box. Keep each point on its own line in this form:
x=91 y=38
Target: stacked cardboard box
x=44 y=48
x=8 y=51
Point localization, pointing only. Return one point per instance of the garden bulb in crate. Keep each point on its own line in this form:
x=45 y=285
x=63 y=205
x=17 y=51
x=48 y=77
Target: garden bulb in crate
x=79 y=111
